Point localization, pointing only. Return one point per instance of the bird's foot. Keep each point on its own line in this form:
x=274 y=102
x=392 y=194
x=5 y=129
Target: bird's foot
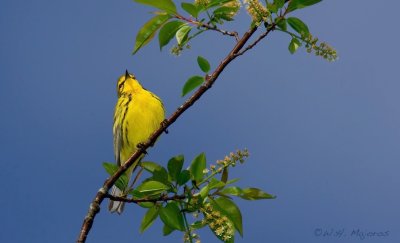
x=141 y=146
x=164 y=125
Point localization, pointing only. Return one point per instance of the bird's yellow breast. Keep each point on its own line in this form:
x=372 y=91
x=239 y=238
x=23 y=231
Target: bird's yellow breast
x=137 y=115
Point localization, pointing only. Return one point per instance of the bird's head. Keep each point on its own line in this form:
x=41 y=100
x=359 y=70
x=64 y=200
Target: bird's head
x=127 y=83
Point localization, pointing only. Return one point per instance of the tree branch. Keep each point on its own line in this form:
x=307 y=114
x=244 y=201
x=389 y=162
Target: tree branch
x=209 y=81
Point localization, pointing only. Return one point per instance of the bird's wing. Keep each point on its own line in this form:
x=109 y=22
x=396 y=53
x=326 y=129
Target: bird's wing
x=117 y=143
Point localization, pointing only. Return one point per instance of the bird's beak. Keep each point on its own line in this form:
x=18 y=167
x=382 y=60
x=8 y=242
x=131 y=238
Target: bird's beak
x=126 y=74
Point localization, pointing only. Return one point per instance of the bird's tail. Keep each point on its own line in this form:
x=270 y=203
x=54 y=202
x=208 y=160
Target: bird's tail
x=116 y=206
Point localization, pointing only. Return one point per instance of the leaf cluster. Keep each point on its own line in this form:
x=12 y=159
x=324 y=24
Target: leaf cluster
x=171 y=23
x=169 y=193
x=298 y=31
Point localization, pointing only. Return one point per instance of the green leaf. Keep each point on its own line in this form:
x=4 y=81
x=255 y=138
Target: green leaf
x=148 y=218
x=281 y=23
x=182 y=34
x=272 y=7
x=146 y=204
x=136 y=194
x=294 y=45
x=191 y=9
x=159 y=173
x=161 y=176
x=279 y=3
x=226 y=17
x=255 y=194
x=150 y=166
x=150 y=188
x=192 y=83
x=204 y=192
x=214 y=183
x=299 y=26
x=111 y=168
x=247 y=193
x=298 y=4
x=167 y=230
x=122 y=182
x=203 y=64
x=233 y=190
x=172 y=217
x=232 y=181
x=197 y=167
x=168 y=31
x=197 y=225
x=149 y=29
x=167 y=5
x=183 y=177
x=225 y=13
x=230 y=210
x=175 y=166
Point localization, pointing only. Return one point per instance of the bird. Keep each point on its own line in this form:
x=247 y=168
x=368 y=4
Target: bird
x=138 y=113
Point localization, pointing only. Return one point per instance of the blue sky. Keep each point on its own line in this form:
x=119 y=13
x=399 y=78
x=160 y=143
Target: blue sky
x=323 y=137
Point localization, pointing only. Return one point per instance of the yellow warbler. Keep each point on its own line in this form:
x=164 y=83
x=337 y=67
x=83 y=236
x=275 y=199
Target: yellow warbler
x=138 y=113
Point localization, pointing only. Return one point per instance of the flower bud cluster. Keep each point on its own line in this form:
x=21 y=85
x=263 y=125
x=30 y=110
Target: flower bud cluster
x=218 y=223
x=321 y=49
x=229 y=160
x=177 y=50
x=202 y=2
x=234 y=5
x=256 y=10
x=194 y=236
x=233 y=158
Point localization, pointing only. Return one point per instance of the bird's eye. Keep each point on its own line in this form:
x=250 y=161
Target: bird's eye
x=121 y=85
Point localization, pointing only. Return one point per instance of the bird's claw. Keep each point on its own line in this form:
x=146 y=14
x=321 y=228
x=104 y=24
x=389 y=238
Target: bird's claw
x=164 y=124
x=141 y=146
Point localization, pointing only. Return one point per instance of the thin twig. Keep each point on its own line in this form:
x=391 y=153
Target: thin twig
x=209 y=81
x=188 y=230
x=209 y=27
x=164 y=198
x=224 y=32
x=262 y=36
